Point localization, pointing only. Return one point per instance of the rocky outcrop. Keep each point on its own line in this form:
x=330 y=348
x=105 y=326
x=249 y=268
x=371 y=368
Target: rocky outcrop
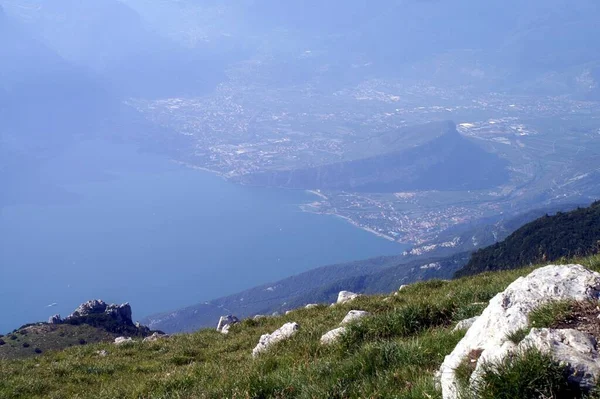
x=225 y=322
x=311 y=305
x=267 y=340
x=345 y=297
x=56 y=319
x=508 y=312
x=119 y=313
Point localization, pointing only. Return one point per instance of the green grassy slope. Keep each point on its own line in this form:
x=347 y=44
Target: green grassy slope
x=394 y=353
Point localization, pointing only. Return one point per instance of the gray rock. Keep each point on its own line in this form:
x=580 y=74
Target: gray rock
x=465 y=324
x=102 y=353
x=346 y=296
x=123 y=340
x=311 y=305
x=267 y=340
x=354 y=315
x=287 y=312
x=119 y=313
x=575 y=349
x=226 y=321
x=259 y=316
x=55 y=319
x=332 y=336
x=508 y=312
x=155 y=337
x=402 y=287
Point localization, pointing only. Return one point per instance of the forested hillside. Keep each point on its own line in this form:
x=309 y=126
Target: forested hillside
x=575 y=233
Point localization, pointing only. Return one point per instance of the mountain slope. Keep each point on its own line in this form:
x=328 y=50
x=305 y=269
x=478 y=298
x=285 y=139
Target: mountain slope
x=437 y=159
x=319 y=285
x=394 y=353
x=575 y=233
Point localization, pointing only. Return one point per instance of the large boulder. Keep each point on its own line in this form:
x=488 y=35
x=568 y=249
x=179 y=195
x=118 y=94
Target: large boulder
x=267 y=340
x=225 y=322
x=508 y=312
x=56 y=319
x=346 y=296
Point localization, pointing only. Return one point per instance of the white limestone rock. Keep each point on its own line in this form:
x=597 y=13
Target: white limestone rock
x=267 y=340
x=311 y=305
x=332 y=336
x=123 y=340
x=508 y=312
x=464 y=325
x=226 y=321
x=575 y=349
x=354 y=315
x=346 y=296
x=155 y=337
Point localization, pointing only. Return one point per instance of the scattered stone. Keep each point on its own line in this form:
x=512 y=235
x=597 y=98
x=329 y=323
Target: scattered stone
x=258 y=317
x=332 y=336
x=311 y=305
x=56 y=319
x=267 y=340
x=287 y=312
x=123 y=340
x=354 y=315
x=155 y=337
x=102 y=353
x=508 y=312
x=226 y=321
x=346 y=296
x=402 y=287
x=387 y=299
x=465 y=324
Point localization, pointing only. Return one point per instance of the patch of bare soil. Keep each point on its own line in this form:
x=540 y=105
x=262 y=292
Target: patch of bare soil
x=583 y=317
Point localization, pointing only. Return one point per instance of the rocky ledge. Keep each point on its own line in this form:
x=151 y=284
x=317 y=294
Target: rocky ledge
x=97 y=313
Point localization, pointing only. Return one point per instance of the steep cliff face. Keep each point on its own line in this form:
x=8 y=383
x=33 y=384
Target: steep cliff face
x=439 y=159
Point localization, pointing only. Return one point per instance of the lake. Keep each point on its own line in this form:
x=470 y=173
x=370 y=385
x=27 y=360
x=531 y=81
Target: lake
x=104 y=221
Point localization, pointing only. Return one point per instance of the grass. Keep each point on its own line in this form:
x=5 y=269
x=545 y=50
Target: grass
x=392 y=354
x=531 y=374
x=548 y=314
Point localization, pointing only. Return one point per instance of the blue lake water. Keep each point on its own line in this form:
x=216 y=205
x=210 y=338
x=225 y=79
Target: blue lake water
x=129 y=227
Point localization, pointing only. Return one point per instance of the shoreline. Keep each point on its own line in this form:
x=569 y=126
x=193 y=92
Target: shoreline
x=303 y=206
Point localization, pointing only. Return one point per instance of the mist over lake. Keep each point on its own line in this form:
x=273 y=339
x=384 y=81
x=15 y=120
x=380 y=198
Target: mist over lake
x=129 y=227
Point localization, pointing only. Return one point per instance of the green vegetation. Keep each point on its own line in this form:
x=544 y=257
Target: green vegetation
x=564 y=235
x=531 y=374
x=393 y=353
x=548 y=314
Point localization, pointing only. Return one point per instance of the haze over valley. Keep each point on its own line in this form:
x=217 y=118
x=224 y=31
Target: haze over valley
x=170 y=152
